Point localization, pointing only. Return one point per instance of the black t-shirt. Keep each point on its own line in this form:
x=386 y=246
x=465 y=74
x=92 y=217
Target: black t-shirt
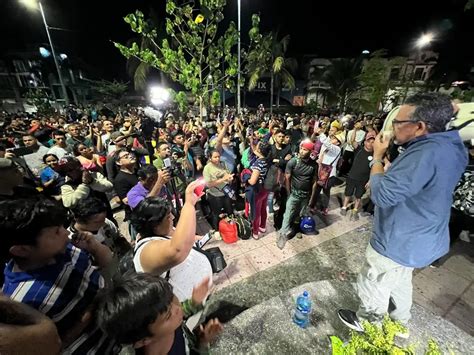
x=123 y=183
x=360 y=170
x=303 y=173
x=280 y=154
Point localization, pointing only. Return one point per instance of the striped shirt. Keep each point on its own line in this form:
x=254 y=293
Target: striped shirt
x=63 y=291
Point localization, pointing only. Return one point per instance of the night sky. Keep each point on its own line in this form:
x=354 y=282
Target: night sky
x=323 y=28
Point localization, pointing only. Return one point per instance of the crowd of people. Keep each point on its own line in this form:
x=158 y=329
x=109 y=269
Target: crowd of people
x=62 y=178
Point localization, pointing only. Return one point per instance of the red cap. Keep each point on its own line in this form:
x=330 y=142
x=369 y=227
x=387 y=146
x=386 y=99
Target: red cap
x=307 y=144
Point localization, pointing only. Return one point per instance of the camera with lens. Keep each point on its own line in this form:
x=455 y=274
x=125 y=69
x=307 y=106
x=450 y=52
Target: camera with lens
x=173 y=167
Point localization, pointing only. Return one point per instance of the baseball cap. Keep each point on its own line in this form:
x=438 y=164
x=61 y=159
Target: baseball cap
x=307 y=144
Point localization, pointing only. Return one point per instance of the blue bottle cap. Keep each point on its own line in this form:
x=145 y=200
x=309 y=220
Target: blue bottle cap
x=305 y=294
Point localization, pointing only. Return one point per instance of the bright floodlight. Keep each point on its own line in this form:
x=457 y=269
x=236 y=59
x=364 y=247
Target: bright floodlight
x=30 y=4
x=45 y=53
x=365 y=51
x=63 y=56
x=424 y=40
x=158 y=95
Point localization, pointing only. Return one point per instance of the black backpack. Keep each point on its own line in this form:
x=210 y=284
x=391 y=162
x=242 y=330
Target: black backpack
x=274 y=179
x=244 y=228
x=125 y=264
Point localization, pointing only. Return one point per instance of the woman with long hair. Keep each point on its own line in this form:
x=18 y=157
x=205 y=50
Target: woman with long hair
x=258 y=209
x=89 y=160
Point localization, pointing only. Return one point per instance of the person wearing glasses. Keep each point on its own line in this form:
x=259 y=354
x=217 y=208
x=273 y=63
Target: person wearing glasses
x=126 y=177
x=412 y=207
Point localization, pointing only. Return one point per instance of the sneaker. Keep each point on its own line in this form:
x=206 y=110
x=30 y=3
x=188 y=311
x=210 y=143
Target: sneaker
x=354 y=216
x=281 y=241
x=255 y=236
x=325 y=211
x=262 y=230
x=343 y=211
x=350 y=319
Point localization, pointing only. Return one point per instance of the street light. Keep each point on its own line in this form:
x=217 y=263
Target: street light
x=158 y=95
x=425 y=39
x=238 y=56
x=35 y=5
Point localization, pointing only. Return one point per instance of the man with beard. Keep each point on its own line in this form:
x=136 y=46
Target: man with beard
x=300 y=174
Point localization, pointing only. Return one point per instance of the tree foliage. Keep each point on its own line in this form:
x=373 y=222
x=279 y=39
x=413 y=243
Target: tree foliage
x=40 y=99
x=199 y=52
x=267 y=57
x=376 y=80
x=110 y=90
x=469 y=5
x=340 y=82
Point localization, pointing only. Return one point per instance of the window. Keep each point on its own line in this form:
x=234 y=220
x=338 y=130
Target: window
x=418 y=75
x=395 y=73
x=19 y=66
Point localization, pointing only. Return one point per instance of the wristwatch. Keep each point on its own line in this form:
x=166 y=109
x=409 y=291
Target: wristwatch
x=375 y=161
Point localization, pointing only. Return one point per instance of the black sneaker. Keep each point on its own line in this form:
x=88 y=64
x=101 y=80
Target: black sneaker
x=349 y=318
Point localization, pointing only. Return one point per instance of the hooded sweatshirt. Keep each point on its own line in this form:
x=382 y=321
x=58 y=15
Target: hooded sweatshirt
x=413 y=199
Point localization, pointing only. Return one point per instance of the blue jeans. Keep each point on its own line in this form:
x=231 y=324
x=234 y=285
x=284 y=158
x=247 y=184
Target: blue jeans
x=295 y=205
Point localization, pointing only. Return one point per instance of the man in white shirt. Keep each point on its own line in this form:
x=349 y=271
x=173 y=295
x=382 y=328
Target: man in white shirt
x=60 y=146
x=355 y=137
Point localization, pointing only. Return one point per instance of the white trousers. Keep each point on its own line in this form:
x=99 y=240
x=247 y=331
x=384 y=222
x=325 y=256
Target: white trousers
x=379 y=280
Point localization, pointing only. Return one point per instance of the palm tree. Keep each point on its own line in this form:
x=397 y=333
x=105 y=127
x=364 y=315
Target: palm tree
x=282 y=67
x=268 y=58
x=341 y=79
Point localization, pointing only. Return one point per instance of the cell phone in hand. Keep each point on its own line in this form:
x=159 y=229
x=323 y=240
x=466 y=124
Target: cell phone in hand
x=21 y=151
x=200 y=188
x=203 y=241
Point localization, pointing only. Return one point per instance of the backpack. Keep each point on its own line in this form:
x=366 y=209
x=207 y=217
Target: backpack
x=228 y=230
x=125 y=264
x=244 y=228
x=245 y=176
x=274 y=179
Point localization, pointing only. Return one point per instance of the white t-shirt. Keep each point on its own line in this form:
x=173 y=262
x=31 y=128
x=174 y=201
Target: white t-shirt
x=58 y=151
x=331 y=153
x=184 y=276
x=359 y=139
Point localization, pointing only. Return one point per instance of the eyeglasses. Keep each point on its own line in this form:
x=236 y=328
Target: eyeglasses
x=394 y=122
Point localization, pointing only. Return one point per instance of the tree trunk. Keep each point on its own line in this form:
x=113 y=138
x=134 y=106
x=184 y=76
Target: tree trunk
x=278 y=98
x=271 y=91
x=201 y=107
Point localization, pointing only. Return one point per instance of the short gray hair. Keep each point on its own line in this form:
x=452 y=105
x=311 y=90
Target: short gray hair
x=435 y=109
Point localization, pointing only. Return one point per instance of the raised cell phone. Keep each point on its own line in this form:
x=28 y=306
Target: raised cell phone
x=203 y=241
x=200 y=188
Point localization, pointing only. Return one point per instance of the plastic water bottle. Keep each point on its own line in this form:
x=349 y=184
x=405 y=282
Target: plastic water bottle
x=303 y=310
